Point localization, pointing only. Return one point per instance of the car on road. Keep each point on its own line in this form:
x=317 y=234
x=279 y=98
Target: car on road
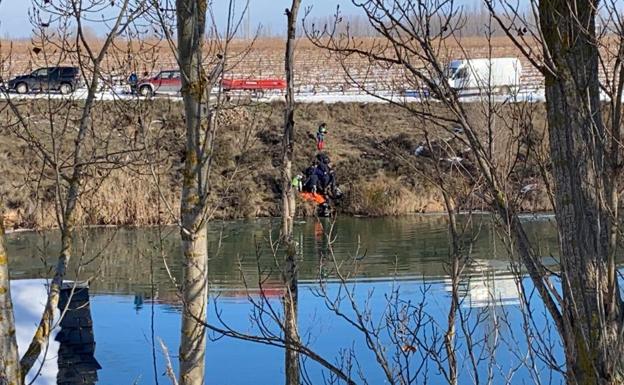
x=64 y=79
x=502 y=75
x=168 y=81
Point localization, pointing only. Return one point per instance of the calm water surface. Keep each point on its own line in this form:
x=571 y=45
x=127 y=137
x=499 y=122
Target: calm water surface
x=134 y=297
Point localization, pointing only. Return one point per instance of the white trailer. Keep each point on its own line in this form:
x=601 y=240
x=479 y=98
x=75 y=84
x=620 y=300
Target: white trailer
x=496 y=75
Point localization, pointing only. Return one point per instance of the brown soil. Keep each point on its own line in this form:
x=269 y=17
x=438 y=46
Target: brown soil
x=371 y=147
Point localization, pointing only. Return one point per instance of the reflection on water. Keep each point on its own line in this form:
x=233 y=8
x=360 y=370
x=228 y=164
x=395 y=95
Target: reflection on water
x=121 y=261
x=132 y=273
x=76 y=362
x=487 y=287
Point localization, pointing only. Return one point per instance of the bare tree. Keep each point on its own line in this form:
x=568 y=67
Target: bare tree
x=288 y=204
x=585 y=186
x=9 y=358
x=585 y=157
x=202 y=113
x=191 y=24
x=69 y=164
x=587 y=310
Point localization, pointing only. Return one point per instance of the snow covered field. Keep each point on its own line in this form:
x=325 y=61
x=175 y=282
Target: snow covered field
x=536 y=95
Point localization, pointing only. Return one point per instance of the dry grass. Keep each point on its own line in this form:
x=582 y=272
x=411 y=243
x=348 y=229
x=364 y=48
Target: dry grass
x=383 y=195
x=364 y=143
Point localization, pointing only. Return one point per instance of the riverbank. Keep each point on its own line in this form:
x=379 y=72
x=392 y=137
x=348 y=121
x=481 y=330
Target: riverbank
x=372 y=147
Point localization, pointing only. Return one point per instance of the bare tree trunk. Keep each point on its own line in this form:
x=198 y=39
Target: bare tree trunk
x=67 y=216
x=195 y=295
x=42 y=334
x=592 y=310
x=9 y=358
x=288 y=207
x=585 y=162
x=191 y=28
x=455 y=274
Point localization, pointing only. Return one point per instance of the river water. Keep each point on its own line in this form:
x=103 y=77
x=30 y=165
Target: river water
x=398 y=261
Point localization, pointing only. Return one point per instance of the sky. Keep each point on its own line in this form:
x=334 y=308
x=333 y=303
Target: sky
x=14 y=22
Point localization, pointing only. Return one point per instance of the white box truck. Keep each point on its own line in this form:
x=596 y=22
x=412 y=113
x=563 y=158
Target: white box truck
x=478 y=76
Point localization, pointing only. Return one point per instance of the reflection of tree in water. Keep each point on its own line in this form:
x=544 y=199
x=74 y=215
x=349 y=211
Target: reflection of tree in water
x=76 y=361
x=415 y=246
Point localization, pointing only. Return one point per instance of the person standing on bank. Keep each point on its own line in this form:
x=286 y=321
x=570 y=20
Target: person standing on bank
x=320 y=137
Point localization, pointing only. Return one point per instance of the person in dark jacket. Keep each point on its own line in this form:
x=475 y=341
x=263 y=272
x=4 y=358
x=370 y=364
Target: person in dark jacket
x=325 y=172
x=312 y=181
x=322 y=157
x=133 y=80
x=321 y=178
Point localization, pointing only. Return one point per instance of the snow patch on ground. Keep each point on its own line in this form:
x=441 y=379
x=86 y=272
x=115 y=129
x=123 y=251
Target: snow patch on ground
x=120 y=93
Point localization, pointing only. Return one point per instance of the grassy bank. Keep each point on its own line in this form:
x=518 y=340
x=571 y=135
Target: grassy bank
x=371 y=146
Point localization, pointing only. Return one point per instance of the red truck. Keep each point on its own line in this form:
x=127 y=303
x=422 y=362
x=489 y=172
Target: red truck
x=166 y=81
x=253 y=84
x=170 y=81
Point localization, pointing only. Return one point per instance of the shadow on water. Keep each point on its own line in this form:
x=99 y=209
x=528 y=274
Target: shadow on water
x=408 y=252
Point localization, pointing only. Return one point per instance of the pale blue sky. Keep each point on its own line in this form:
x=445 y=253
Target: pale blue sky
x=14 y=21
x=14 y=13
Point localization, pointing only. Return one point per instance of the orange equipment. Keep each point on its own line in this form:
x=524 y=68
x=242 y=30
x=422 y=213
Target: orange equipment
x=313 y=197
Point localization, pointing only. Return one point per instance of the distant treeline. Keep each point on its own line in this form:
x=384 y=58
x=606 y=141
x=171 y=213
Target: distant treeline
x=471 y=20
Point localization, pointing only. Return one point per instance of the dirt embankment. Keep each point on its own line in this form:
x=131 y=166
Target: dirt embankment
x=371 y=146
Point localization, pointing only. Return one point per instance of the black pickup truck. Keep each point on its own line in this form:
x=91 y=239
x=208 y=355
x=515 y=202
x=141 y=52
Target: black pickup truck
x=62 y=79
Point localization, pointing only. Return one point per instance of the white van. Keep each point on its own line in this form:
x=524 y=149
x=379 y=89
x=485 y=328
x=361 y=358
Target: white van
x=475 y=76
